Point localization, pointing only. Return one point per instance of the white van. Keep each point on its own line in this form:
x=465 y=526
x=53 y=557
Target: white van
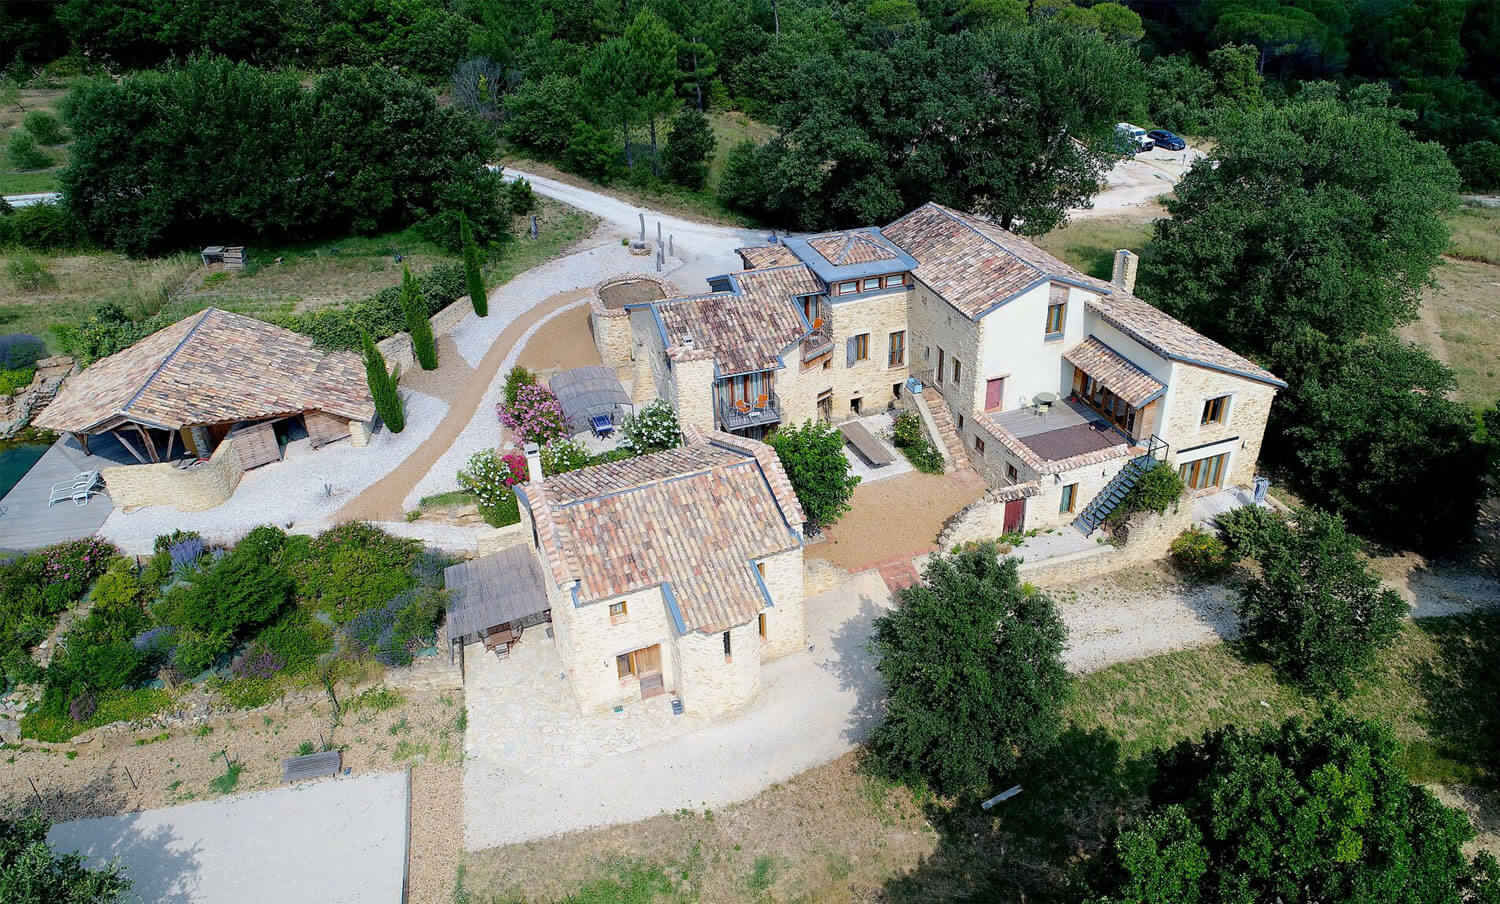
x=1136 y=136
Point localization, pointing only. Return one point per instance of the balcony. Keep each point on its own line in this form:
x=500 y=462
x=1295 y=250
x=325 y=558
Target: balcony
x=819 y=342
x=743 y=415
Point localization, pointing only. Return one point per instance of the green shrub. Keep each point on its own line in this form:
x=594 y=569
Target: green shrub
x=1478 y=162
x=41 y=227
x=44 y=126
x=230 y=779
x=354 y=567
x=243 y=590
x=28 y=273
x=418 y=321
x=1157 y=490
x=55 y=725
x=652 y=429
x=1248 y=531
x=297 y=640
x=1200 y=554
x=689 y=147
x=383 y=388
x=520 y=198
x=479 y=298
x=24 y=153
x=562 y=455
x=910 y=437
x=813 y=456
x=491 y=478
x=13 y=381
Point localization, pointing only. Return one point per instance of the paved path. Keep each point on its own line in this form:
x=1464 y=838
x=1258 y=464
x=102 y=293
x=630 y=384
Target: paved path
x=330 y=841
x=813 y=707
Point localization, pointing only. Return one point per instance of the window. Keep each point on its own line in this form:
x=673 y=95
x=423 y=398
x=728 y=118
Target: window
x=960 y=422
x=1215 y=410
x=617 y=612
x=1011 y=473
x=761 y=623
x=854 y=404
x=978 y=444
x=1069 y=497
x=892 y=282
x=862 y=347
x=727 y=652
x=848 y=288
x=625 y=665
x=760 y=569
x=897 y=356
x=870 y=284
x=1055 y=315
x=958 y=368
x=1203 y=473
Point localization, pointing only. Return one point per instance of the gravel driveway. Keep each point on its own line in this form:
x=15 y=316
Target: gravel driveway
x=331 y=841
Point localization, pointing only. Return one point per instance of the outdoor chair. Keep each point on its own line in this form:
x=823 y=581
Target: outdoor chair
x=742 y=406
x=602 y=425
x=762 y=402
x=79 y=489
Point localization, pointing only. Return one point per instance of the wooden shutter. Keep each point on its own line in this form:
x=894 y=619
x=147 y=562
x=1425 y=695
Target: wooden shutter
x=849 y=349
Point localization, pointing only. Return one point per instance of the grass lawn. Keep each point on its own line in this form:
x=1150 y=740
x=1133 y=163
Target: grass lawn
x=1460 y=316
x=1090 y=244
x=25 y=182
x=275 y=280
x=835 y=834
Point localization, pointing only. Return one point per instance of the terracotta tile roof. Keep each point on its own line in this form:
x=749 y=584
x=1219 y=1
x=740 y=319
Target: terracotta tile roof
x=770 y=465
x=1171 y=338
x=972 y=263
x=745 y=330
x=213 y=367
x=694 y=518
x=776 y=255
x=1118 y=373
x=852 y=247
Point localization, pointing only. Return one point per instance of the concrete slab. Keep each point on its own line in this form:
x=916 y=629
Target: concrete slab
x=336 y=841
x=26 y=522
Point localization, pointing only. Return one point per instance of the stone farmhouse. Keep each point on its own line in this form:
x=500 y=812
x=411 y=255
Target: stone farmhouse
x=1058 y=387
x=676 y=572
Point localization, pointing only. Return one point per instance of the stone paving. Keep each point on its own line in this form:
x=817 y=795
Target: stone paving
x=523 y=718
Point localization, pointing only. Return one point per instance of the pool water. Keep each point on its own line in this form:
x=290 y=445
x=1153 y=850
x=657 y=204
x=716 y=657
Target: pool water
x=15 y=460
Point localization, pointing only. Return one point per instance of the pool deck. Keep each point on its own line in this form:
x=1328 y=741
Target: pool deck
x=25 y=520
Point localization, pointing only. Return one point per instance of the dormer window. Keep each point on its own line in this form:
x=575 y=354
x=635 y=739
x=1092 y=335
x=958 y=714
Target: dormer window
x=895 y=282
x=871 y=284
x=848 y=288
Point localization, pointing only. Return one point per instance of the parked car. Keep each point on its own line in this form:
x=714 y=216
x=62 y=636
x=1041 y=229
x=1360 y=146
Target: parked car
x=1133 y=139
x=1166 y=140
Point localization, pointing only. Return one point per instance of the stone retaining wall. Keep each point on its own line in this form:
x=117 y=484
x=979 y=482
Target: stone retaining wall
x=187 y=490
x=398 y=350
x=1144 y=537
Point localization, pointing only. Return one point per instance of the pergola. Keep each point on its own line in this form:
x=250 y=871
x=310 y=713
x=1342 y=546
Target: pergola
x=202 y=376
x=493 y=592
x=585 y=392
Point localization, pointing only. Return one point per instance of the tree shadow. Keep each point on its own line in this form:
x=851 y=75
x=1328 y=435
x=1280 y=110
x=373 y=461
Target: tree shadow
x=1461 y=685
x=1021 y=850
x=852 y=662
x=102 y=795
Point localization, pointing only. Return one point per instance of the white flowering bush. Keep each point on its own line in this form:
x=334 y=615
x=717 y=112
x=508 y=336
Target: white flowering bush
x=651 y=429
x=564 y=455
x=490 y=478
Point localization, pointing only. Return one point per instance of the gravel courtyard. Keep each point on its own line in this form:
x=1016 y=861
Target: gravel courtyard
x=331 y=841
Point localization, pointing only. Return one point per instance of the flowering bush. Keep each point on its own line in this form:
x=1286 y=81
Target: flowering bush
x=81 y=707
x=536 y=416
x=562 y=455
x=652 y=429
x=517 y=378
x=184 y=554
x=256 y=662
x=69 y=568
x=490 y=478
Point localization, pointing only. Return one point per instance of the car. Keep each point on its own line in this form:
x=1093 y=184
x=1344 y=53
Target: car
x=1133 y=139
x=1166 y=140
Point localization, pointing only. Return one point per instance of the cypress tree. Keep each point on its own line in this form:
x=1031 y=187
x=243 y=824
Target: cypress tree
x=417 y=321
x=382 y=386
x=472 y=273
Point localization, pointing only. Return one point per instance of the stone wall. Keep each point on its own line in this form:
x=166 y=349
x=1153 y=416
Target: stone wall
x=612 y=327
x=937 y=324
x=1145 y=537
x=712 y=683
x=1042 y=510
x=786 y=622
x=594 y=643
x=693 y=396
x=495 y=539
x=1240 y=434
x=398 y=350
x=187 y=490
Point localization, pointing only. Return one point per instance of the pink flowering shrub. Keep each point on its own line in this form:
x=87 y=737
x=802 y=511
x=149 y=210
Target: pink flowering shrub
x=490 y=478
x=69 y=568
x=536 y=416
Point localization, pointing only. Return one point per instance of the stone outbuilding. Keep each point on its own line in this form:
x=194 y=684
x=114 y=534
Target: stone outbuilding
x=676 y=572
x=186 y=388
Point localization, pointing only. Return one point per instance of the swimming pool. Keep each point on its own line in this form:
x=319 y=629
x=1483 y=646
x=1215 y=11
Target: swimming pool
x=15 y=460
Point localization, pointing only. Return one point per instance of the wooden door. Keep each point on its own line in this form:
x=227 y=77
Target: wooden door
x=994 y=393
x=940 y=366
x=1015 y=515
x=648 y=660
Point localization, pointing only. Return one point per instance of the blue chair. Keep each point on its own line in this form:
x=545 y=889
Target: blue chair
x=602 y=425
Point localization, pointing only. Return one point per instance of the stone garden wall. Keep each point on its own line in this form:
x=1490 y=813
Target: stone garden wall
x=185 y=489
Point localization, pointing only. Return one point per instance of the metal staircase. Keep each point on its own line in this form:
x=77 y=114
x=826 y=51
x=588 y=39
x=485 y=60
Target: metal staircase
x=1109 y=498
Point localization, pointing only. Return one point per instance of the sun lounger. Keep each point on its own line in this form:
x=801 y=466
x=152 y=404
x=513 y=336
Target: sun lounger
x=865 y=443
x=79 y=489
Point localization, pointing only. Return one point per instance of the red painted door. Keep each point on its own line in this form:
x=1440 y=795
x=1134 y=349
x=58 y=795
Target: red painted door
x=994 y=392
x=1015 y=515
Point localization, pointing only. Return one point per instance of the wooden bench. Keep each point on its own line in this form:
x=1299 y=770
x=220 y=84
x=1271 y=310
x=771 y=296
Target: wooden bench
x=865 y=443
x=313 y=765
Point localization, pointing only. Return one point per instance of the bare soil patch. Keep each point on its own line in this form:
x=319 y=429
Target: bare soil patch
x=562 y=343
x=898 y=516
x=635 y=291
x=830 y=834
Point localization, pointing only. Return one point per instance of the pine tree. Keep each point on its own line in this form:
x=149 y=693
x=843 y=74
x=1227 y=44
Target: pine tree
x=382 y=386
x=417 y=321
x=472 y=273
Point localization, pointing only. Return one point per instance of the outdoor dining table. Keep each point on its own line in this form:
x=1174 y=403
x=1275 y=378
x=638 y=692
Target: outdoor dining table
x=1044 y=402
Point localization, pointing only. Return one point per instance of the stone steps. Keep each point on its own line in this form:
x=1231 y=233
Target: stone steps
x=954 y=454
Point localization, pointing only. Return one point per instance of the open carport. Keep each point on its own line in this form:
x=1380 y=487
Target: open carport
x=336 y=840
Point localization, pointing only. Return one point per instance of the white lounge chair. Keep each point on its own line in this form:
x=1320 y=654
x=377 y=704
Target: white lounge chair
x=79 y=489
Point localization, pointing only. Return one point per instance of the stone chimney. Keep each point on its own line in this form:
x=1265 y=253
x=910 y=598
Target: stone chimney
x=533 y=462
x=1126 y=262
